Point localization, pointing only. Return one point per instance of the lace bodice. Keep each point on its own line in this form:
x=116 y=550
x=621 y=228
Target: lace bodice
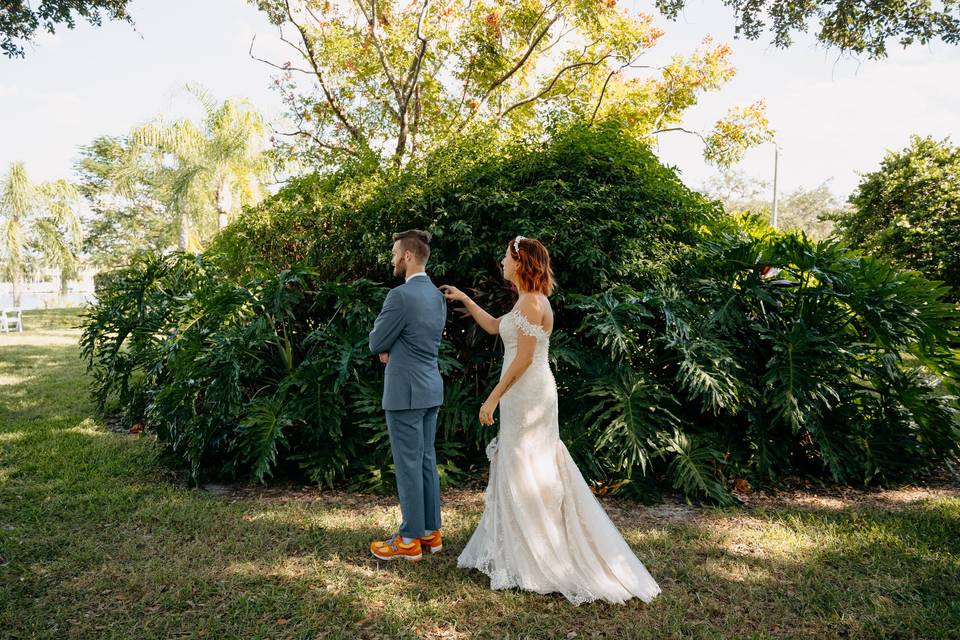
x=514 y=322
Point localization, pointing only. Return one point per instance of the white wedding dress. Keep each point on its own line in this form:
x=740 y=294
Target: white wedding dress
x=542 y=529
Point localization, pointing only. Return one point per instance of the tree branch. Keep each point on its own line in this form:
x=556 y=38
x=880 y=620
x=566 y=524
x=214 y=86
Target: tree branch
x=533 y=26
x=463 y=98
x=410 y=82
x=316 y=140
x=286 y=67
x=415 y=125
x=312 y=59
x=603 y=90
x=666 y=106
x=378 y=45
x=292 y=44
x=559 y=39
x=417 y=62
x=510 y=72
x=546 y=90
x=696 y=133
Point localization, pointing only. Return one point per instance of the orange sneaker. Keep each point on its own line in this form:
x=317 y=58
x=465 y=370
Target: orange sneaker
x=394 y=548
x=432 y=543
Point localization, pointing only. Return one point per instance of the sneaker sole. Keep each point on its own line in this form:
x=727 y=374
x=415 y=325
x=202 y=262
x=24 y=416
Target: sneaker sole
x=436 y=549
x=399 y=555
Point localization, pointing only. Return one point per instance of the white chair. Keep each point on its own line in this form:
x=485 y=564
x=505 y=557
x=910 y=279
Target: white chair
x=7 y=322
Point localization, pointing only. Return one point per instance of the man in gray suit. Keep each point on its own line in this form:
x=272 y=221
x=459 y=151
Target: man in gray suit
x=407 y=336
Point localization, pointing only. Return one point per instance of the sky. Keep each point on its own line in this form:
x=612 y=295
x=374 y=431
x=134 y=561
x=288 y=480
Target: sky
x=834 y=115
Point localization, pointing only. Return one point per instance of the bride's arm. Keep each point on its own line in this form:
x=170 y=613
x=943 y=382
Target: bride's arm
x=526 y=344
x=486 y=321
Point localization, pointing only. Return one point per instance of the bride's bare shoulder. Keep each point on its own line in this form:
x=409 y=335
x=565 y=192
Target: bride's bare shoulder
x=547 y=313
x=536 y=309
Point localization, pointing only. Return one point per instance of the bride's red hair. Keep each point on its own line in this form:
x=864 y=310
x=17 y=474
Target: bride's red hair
x=533 y=266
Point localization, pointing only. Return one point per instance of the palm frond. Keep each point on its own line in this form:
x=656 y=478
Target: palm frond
x=629 y=413
x=694 y=468
x=260 y=435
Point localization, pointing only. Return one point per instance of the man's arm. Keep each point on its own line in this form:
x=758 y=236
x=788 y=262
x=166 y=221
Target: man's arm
x=389 y=323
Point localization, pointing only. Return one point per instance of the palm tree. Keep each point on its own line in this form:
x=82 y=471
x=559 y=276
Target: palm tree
x=18 y=199
x=58 y=230
x=43 y=216
x=215 y=166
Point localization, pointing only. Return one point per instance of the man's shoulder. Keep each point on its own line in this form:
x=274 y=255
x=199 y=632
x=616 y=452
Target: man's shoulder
x=414 y=287
x=420 y=283
x=396 y=294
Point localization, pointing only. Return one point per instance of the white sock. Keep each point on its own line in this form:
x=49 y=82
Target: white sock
x=406 y=540
x=428 y=532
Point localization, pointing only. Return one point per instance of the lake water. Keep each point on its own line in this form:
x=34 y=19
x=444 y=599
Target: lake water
x=51 y=300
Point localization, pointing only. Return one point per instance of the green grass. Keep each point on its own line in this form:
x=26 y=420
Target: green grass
x=98 y=540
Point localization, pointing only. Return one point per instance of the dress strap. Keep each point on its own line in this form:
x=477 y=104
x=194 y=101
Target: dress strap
x=527 y=327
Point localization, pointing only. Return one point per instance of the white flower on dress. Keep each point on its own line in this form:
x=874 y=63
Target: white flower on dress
x=492 y=449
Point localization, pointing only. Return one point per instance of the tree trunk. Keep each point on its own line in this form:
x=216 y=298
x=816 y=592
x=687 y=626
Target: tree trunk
x=17 y=285
x=401 y=140
x=184 y=231
x=64 y=276
x=224 y=201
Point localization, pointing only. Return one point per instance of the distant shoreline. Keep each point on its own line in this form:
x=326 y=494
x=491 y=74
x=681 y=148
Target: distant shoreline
x=32 y=300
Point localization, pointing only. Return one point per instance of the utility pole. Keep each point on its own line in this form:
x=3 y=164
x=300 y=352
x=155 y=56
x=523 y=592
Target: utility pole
x=776 y=157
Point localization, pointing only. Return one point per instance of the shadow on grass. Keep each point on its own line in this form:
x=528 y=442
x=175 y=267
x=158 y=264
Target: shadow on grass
x=883 y=574
x=42 y=385
x=96 y=541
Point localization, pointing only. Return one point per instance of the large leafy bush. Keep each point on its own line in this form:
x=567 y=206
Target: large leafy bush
x=908 y=210
x=679 y=363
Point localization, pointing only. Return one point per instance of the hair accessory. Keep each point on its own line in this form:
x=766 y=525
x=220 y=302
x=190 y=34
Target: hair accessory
x=516 y=243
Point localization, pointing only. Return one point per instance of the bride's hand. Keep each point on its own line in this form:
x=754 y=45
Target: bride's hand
x=452 y=293
x=486 y=411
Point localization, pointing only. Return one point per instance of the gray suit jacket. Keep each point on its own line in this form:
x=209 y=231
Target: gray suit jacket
x=409 y=327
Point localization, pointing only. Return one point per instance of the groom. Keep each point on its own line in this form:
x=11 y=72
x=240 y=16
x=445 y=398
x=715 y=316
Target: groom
x=407 y=335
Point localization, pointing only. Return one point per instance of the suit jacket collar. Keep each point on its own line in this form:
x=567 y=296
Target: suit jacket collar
x=418 y=276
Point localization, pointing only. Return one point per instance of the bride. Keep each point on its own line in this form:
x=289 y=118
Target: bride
x=542 y=529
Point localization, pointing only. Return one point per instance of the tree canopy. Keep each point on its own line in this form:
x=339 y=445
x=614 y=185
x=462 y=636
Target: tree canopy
x=165 y=175
x=908 y=210
x=39 y=226
x=857 y=27
x=19 y=20
x=384 y=79
x=808 y=210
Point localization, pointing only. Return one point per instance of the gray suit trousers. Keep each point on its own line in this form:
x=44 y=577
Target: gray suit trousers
x=412 y=433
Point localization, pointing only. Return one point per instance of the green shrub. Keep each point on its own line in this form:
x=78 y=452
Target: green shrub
x=678 y=363
x=908 y=210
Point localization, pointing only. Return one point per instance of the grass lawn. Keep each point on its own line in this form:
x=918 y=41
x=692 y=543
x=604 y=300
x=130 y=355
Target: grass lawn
x=97 y=540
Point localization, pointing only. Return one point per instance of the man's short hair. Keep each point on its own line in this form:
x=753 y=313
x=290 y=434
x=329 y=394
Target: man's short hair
x=416 y=242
